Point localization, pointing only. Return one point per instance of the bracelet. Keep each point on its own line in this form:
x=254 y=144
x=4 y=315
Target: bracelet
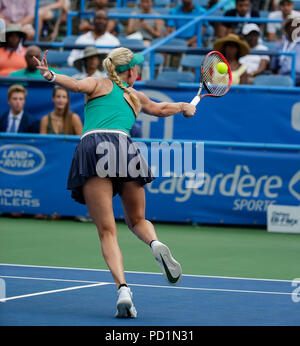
x=53 y=78
x=182 y=107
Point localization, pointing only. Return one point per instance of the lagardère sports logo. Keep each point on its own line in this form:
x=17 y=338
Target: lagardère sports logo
x=250 y=192
x=20 y=159
x=294 y=184
x=239 y=183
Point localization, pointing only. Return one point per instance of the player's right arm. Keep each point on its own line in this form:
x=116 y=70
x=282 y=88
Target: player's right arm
x=164 y=109
x=86 y=86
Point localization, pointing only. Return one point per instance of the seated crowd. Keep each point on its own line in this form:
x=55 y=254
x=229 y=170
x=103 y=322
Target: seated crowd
x=235 y=40
x=60 y=121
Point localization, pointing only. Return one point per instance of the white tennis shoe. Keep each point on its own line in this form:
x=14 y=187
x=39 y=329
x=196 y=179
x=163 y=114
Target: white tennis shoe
x=125 y=307
x=170 y=267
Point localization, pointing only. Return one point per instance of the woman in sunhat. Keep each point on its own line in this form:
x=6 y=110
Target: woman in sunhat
x=233 y=48
x=12 y=52
x=89 y=64
x=101 y=165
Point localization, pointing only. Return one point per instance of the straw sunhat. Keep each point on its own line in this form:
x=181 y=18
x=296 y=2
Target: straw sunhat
x=244 y=47
x=87 y=53
x=15 y=28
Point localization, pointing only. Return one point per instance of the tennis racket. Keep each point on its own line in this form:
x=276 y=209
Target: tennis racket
x=215 y=83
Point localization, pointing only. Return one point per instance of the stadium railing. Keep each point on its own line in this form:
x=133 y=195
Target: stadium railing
x=192 y=20
x=161 y=46
x=168 y=49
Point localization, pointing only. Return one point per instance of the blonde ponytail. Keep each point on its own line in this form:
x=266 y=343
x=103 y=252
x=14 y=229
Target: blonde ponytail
x=120 y=56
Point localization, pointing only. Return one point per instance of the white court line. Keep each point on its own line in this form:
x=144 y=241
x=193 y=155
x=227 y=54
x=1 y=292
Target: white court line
x=213 y=289
x=155 y=273
x=53 y=291
x=48 y=279
x=141 y=285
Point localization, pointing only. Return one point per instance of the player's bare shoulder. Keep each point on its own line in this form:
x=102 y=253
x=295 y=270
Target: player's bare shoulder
x=103 y=86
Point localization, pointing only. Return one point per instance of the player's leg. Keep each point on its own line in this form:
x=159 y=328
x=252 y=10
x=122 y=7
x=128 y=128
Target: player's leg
x=98 y=194
x=133 y=200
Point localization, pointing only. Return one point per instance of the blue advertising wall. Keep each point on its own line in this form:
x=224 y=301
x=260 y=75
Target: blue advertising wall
x=245 y=114
x=240 y=181
x=243 y=175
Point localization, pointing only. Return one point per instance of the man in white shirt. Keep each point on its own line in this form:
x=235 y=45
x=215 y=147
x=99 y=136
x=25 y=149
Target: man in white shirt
x=286 y=9
x=16 y=120
x=256 y=64
x=99 y=37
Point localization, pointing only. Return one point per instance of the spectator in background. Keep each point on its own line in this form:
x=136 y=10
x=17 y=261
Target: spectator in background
x=286 y=9
x=12 y=54
x=88 y=25
x=49 y=9
x=256 y=64
x=20 y=13
x=264 y=5
x=99 y=36
x=243 y=10
x=30 y=71
x=16 y=120
x=148 y=29
x=89 y=64
x=61 y=120
x=291 y=43
x=187 y=7
x=233 y=48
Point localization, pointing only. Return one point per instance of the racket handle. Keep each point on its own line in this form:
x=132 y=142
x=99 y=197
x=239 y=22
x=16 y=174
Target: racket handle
x=195 y=100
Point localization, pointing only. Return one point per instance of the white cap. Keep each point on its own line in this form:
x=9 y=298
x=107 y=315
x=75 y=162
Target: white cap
x=247 y=28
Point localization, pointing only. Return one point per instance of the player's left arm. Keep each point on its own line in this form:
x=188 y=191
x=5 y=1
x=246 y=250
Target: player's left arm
x=164 y=109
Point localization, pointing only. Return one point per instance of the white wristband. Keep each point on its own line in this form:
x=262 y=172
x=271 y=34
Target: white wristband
x=53 y=78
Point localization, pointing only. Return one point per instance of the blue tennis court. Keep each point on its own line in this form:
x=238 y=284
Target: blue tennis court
x=37 y=296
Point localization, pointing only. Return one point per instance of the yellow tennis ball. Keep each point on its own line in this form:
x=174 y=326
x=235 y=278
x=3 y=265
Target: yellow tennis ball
x=222 y=67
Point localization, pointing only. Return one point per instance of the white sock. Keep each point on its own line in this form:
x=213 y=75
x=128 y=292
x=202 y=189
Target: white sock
x=153 y=243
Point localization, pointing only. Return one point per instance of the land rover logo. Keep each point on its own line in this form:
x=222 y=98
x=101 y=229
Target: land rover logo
x=20 y=159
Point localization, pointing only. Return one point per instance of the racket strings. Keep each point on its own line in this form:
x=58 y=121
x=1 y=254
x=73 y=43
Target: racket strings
x=216 y=83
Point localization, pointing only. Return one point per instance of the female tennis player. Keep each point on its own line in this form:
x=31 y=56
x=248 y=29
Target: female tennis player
x=95 y=177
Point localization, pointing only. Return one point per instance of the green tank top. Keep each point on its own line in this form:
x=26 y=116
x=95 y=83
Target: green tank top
x=110 y=111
